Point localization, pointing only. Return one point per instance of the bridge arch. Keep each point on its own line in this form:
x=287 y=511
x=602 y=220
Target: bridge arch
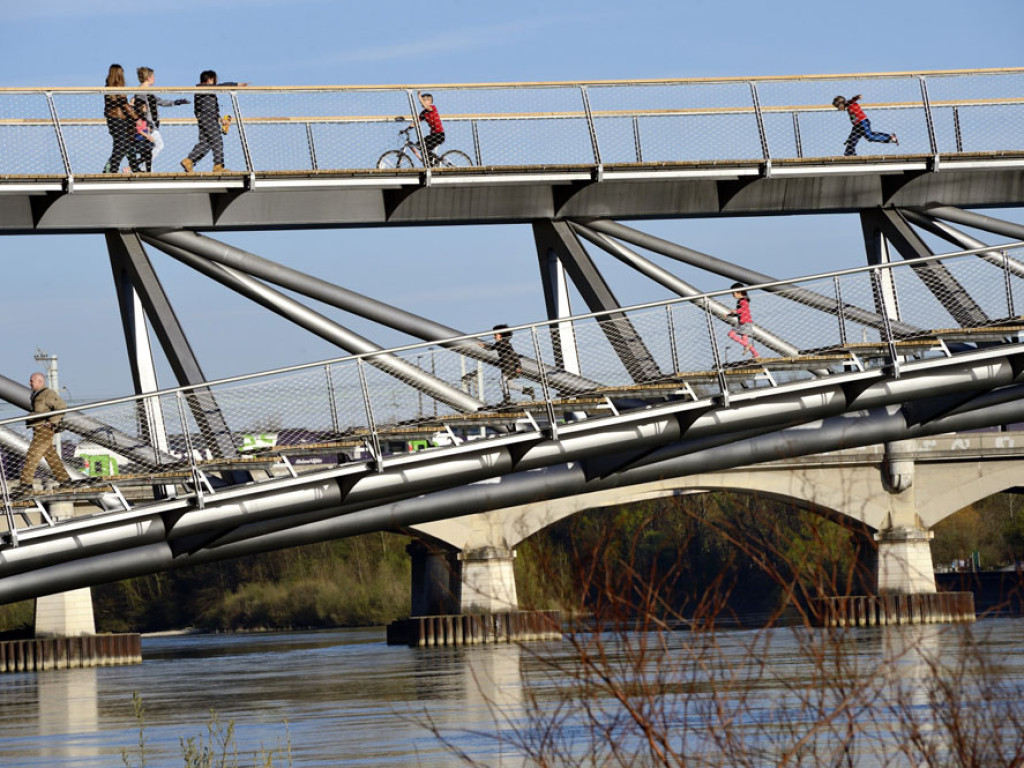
x=851 y=499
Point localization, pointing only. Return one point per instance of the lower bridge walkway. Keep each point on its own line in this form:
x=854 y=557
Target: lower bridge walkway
x=555 y=410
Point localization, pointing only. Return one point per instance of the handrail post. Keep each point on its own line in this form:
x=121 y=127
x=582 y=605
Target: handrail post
x=189 y=450
x=637 y=145
x=956 y=130
x=876 y=278
x=60 y=141
x=312 y=146
x=548 y=404
x=796 y=135
x=716 y=356
x=421 y=141
x=241 y=134
x=8 y=510
x=595 y=147
x=476 y=141
x=673 y=352
x=840 y=311
x=765 y=153
x=371 y=425
x=330 y=399
x=929 y=122
x=1010 y=311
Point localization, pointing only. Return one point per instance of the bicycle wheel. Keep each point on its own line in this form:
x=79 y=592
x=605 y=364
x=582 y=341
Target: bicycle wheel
x=453 y=158
x=394 y=159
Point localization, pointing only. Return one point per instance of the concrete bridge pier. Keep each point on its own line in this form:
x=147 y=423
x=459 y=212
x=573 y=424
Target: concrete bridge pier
x=466 y=597
x=488 y=580
x=447 y=581
x=67 y=614
x=904 y=552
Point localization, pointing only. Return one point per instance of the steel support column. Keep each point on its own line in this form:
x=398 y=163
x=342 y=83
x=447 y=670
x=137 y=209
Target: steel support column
x=556 y=237
x=936 y=278
x=556 y=303
x=127 y=251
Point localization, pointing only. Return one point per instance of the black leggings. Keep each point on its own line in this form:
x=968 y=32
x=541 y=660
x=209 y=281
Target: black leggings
x=122 y=131
x=432 y=141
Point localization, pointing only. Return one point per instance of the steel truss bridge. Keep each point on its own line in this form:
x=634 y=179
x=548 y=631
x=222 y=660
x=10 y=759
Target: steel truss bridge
x=610 y=398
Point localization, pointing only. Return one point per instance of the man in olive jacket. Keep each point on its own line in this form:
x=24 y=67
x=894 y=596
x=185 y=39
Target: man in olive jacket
x=44 y=400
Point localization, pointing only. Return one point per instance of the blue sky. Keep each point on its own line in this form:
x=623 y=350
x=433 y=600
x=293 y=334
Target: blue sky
x=57 y=289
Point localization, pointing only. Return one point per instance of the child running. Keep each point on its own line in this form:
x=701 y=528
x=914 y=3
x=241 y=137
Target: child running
x=861 y=125
x=741 y=334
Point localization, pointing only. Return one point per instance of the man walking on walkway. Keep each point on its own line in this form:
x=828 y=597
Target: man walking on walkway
x=44 y=400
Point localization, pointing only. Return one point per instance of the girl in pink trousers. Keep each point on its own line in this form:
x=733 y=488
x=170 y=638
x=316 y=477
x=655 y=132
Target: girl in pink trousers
x=741 y=333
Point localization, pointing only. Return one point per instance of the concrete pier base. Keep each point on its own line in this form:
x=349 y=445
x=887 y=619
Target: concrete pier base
x=885 y=610
x=68 y=614
x=905 y=562
x=476 y=629
x=488 y=581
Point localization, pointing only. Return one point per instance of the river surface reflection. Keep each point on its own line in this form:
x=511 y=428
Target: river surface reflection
x=348 y=699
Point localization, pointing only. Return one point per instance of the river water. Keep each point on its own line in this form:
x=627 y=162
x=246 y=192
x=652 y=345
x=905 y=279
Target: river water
x=345 y=698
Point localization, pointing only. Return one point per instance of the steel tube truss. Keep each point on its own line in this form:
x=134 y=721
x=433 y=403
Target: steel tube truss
x=664 y=277
x=350 y=301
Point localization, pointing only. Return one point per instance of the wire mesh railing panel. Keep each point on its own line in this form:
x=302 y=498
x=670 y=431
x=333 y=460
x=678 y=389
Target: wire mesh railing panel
x=805 y=319
x=857 y=314
x=394 y=401
x=295 y=407
x=88 y=135
x=28 y=139
x=520 y=126
x=963 y=292
x=965 y=122
x=675 y=122
x=890 y=104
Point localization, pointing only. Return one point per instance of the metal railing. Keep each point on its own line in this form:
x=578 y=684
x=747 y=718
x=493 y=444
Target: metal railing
x=310 y=130
x=365 y=408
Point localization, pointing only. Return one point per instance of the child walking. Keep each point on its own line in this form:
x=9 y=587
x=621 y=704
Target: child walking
x=741 y=334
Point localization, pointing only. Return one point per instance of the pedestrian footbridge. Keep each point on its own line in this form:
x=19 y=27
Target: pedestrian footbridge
x=609 y=401
x=316 y=156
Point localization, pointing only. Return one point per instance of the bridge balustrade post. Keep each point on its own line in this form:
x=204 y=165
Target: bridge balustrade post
x=929 y=123
x=241 y=134
x=591 y=127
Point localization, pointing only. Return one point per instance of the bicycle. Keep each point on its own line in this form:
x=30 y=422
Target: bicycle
x=400 y=158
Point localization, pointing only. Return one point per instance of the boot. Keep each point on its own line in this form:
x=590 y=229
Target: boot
x=187 y=165
x=218 y=168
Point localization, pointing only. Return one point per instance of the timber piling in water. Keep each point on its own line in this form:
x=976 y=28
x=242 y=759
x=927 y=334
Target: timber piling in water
x=884 y=610
x=44 y=653
x=475 y=628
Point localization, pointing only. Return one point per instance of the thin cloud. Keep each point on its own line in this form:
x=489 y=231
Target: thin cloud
x=486 y=37
x=77 y=9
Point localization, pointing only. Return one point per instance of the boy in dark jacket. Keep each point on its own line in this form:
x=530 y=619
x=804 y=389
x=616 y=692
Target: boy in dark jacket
x=212 y=127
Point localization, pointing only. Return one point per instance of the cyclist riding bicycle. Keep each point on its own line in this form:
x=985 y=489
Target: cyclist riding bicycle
x=432 y=118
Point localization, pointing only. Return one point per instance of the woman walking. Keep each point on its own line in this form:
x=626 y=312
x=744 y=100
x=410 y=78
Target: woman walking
x=120 y=123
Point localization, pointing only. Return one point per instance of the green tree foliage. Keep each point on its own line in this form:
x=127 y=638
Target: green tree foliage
x=361 y=581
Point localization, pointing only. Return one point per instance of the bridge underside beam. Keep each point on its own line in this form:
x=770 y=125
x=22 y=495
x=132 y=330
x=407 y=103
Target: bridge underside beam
x=891 y=182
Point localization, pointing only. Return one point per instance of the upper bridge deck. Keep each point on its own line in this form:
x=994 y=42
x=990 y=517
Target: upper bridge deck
x=309 y=156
